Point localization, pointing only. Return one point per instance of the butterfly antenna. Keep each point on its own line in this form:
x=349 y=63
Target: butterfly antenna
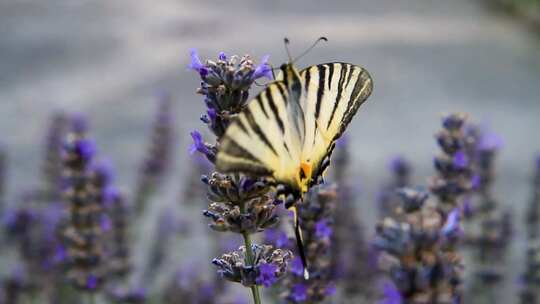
x=286 y=43
x=310 y=48
x=300 y=241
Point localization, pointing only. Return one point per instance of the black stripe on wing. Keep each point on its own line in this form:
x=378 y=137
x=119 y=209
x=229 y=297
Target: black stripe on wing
x=342 y=74
x=258 y=131
x=362 y=89
x=235 y=150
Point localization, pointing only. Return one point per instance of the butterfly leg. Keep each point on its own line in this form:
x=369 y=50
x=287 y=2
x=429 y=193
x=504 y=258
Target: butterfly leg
x=299 y=240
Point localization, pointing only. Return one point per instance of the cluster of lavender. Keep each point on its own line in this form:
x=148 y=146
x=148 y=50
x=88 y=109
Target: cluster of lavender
x=414 y=252
x=352 y=258
x=488 y=228
x=118 y=210
x=388 y=200
x=316 y=221
x=31 y=229
x=454 y=179
x=239 y=204
x=155 y=164
x=85 y=193
x=419 y=246
x=531 y=277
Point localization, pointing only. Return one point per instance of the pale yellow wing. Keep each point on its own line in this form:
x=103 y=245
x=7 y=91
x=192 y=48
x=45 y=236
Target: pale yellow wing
x=265 y=139
x=332 y=94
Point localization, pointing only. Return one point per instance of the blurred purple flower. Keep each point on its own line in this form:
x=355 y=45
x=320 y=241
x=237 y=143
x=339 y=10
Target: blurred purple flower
x=263 y=69
x=86 y=148
x=105 y=223
x=322 y=229
x=222 y=56
x=460 y=159
x=277 y=237
x=198 y=143
x=391 y=294
x=299 y=292
x=91 y=282
x=196 y=63
x=330 y=290
x=451 y=227
x=296 y=267
x=490 y=141
x=267 y=275
x=60 y=254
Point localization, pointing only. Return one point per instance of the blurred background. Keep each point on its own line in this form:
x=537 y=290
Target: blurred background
x=112 y=59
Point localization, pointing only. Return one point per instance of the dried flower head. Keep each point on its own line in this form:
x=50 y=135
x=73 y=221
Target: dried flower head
x=269 y=265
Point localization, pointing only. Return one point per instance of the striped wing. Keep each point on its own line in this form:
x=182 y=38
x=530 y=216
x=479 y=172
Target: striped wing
x=266 y=137
x=333 y=92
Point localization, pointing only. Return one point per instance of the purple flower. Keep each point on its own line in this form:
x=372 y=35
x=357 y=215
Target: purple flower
x=391 y=294
x=86 y=148
x=322 y=229
x=212 y=114
x=263 y=69
x=297 y=268
x=222 y=56
x=196 y=63
x=277 y=237
x=60 y=254
x=451 y=226
x=91 y=282
x=267 y=275
x=105 y=223
x=460 y=159
x=476 y=180
x=299 y=292
x=490 y=142
x=330 y=290
x=198 y=143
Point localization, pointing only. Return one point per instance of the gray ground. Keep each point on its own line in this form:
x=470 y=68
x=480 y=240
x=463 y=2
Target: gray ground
x=109 y=58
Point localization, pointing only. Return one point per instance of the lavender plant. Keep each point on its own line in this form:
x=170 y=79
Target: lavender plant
x=239 y=204
x=83 y=233
x=388 y=200
x=155 y=164
x=488 y=231
x=454 y=178
x=414 y=251
x=118 y=246
x=420 y=247
x=530 y=293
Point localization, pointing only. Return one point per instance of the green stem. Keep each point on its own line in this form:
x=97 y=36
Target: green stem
x=251 y=261
x=92 y=298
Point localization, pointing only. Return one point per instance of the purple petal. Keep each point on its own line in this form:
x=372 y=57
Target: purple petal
x=222 y=56
x=460 y=159
x=297 y=267
x=263 y=69
x=196 y=63
x=452 y=223
x=299 y=292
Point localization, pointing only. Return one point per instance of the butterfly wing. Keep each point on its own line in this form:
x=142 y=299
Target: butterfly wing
x=333 y=92
x=266 y=137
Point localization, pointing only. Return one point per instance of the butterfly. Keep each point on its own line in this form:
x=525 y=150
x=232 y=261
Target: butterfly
x=288 y=132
